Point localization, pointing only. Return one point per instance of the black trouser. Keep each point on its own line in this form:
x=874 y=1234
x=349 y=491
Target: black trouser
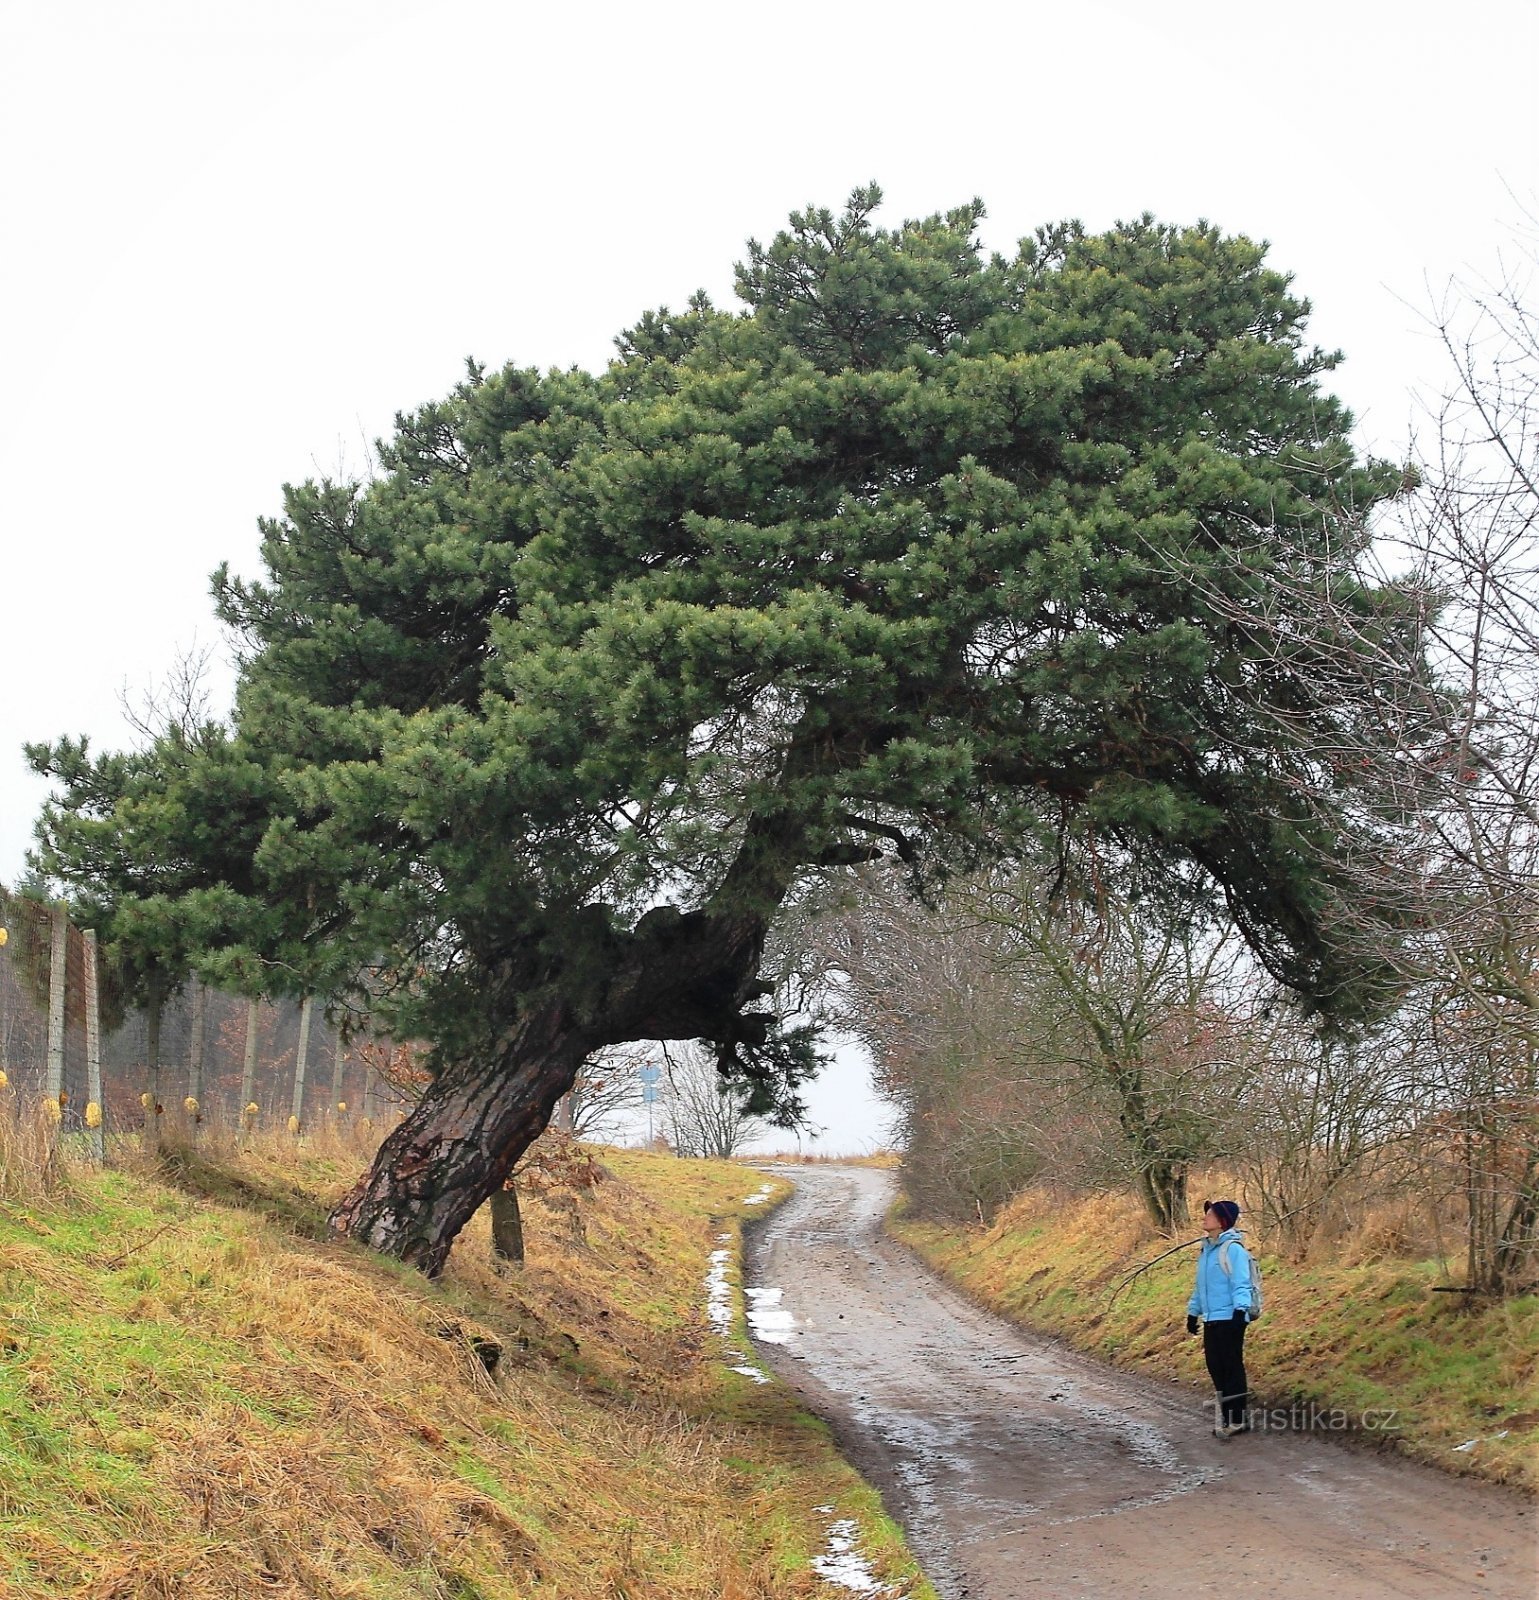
x=1223 y=1346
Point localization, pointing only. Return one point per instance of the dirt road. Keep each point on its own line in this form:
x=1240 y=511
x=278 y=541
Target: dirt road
x=1020 y=1469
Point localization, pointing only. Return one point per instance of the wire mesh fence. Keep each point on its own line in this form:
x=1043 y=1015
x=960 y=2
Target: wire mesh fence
x=225 y=1061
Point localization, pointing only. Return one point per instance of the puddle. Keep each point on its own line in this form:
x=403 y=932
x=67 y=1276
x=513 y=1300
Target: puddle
x=766 y=1318
x=843 y=1564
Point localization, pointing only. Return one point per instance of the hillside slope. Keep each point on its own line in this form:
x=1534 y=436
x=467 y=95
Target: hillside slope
x=201 y=1397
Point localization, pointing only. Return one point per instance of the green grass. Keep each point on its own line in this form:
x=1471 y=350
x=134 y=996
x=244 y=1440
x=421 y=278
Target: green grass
x=201 y=1396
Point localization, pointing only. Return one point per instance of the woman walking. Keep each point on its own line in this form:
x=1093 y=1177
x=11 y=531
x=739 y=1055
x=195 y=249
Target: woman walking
x=1223 y=1298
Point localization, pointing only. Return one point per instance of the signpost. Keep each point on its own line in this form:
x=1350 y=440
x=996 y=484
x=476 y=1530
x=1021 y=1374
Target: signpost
x=649 y=1078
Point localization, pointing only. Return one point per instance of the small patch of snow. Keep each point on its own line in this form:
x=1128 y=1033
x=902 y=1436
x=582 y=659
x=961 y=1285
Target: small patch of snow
x=1469 y=1444
x=759 y=1198
x=843 y=1564
x=766 y=1317
x=718 y=1297
x=751 y=1372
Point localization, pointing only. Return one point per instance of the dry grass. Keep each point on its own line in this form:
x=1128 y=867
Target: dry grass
x=31 y=1171
x=199 y=1397
x=1357 y=1329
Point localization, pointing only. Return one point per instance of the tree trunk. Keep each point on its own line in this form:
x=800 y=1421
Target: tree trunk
x=678 y=976
x=1515 y=1250
x=459 y=1143
x=1161 y=1177
x=507 y=1225
x=1165 y=1194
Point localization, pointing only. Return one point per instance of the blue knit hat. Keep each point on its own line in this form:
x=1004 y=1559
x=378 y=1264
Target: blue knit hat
x=1227 y=1211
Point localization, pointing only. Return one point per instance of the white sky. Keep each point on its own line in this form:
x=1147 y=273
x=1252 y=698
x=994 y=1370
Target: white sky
x=236 y=237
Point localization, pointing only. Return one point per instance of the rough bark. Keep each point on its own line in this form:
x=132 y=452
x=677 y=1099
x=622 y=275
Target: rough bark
x=676 y=977
x=460 y=1141
x=1515 y=1251
x=1162 y=1184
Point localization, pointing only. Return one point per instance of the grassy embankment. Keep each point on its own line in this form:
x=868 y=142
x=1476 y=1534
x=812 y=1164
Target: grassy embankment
x=1354 y=1335
x=201 y=1397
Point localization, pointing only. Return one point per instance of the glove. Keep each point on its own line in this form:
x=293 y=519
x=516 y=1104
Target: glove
x=1191 y=1323
x=1242 y=1317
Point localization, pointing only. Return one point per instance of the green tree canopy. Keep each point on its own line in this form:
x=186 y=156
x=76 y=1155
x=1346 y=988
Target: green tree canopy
x=924 y=551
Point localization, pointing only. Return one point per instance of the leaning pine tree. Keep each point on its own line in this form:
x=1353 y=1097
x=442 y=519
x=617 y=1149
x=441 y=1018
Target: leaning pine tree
x=924 y=553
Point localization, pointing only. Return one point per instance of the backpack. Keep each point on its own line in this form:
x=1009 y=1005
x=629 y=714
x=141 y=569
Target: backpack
x=1255 y=1278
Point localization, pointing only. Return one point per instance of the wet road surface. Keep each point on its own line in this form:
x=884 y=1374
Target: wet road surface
x=1020 y=1469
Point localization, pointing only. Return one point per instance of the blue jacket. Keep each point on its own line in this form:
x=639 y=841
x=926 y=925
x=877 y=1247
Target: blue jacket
x=1219 y=1294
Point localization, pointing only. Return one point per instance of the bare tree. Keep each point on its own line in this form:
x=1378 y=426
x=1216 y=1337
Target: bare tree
x=606 y=1086
x=926 y=995
x=1135 y=1000
x=1436 y=695
x=181 y=700
x=1316 y=1116
x=705 y=1114
x=1026 y=1030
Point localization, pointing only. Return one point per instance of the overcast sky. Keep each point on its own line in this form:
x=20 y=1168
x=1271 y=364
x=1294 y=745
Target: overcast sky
x=237 y=237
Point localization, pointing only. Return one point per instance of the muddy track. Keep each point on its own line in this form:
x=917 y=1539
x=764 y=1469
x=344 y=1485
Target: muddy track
x=1020 y=1469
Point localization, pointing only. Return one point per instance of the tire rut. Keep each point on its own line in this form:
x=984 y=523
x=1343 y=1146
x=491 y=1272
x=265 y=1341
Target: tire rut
x=1019 y=1468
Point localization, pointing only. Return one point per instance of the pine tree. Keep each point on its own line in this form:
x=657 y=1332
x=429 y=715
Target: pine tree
x=926 y=552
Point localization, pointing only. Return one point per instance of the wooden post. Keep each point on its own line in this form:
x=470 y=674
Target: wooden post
x=96 y=1138
x=337 y=1062
x=507 y=1225
x=301 y=1053
x=193 y=1105
x=54 y=1085
x=245 y=1118
x=153 y=1004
